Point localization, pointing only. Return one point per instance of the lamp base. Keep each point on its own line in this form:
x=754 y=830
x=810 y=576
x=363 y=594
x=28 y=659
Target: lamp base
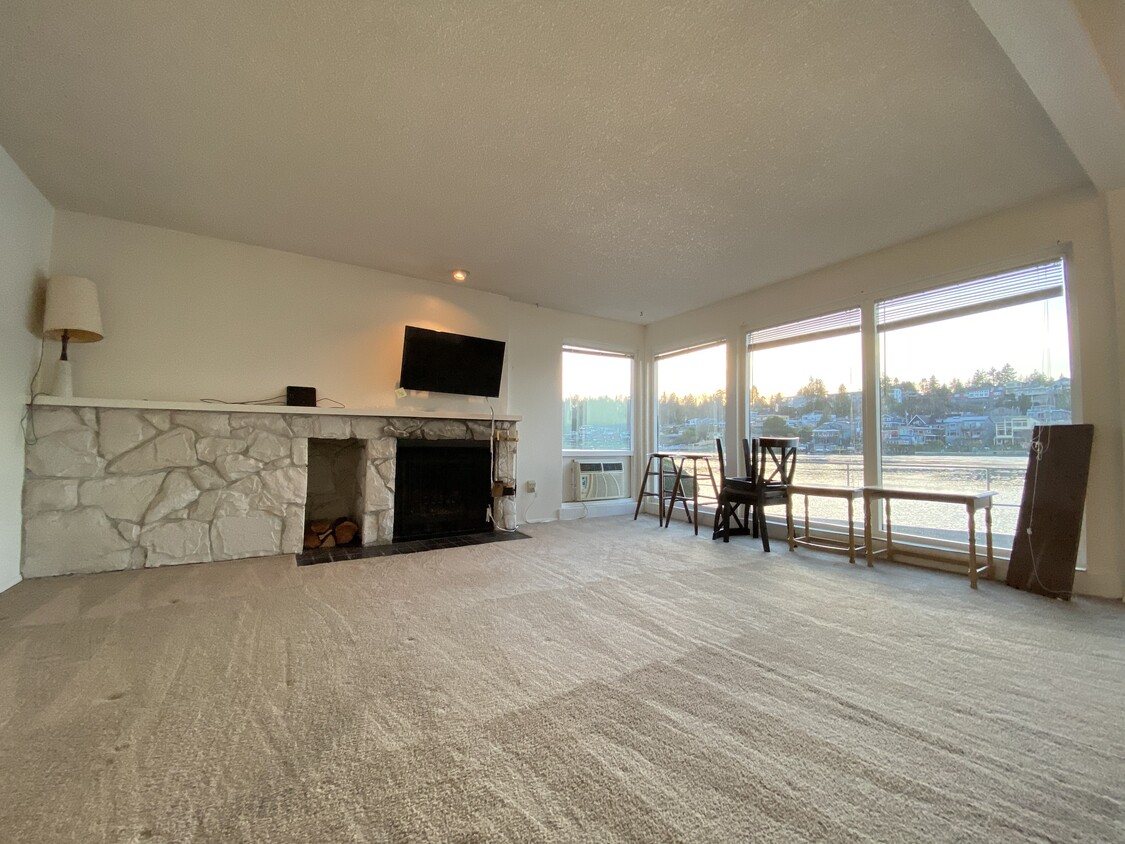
x=64 y=380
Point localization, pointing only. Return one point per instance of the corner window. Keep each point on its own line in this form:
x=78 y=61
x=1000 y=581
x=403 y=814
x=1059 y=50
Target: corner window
x=691 y=390
x=597 y=400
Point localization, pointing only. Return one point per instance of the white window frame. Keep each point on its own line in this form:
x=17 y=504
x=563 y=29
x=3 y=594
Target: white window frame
x=655 y=382
x=632 y=414
x=923 y=300
x=841 y=321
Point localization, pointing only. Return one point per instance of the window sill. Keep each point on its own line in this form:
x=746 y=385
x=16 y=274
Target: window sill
x=606 y=452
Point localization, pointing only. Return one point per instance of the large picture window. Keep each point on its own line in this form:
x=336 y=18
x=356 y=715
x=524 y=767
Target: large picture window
x=805 y=380
x=967 y=371
x=691 y=389
x=597 y=400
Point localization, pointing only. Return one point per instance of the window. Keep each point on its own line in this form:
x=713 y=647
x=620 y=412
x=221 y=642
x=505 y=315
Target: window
x=805 y=379
x=691 y=389
x=597 y=400
x=967 y=370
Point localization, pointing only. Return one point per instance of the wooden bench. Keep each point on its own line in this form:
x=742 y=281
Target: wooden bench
x=848 y=494
x=971 y=501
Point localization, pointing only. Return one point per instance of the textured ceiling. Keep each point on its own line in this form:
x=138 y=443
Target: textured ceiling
x=612 y=158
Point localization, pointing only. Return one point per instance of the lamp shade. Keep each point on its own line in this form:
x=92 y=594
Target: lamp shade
x=72 y=306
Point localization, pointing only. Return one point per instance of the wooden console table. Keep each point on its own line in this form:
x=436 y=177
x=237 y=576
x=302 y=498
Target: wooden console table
x=851 y=495
x=971 y=501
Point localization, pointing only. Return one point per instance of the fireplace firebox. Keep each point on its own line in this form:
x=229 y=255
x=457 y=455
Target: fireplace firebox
x=442 y=488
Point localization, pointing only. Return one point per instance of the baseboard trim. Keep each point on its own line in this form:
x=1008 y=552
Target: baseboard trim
x=571 y=510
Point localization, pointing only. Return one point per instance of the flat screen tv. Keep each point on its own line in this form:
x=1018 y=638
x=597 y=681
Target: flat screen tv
x=441 y=362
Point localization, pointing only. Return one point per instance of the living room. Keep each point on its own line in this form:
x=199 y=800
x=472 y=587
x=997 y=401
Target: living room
x=232 y=262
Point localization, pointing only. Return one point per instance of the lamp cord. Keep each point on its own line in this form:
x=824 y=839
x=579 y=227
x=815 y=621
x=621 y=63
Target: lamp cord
x=27 y=421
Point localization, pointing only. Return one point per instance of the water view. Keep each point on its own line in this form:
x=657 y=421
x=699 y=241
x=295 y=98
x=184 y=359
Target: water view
x=946 y=472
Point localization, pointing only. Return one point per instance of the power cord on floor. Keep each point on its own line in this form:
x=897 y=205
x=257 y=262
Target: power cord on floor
x=527 y=509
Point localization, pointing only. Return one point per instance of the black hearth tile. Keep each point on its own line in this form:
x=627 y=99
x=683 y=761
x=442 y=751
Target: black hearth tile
x=325 y=555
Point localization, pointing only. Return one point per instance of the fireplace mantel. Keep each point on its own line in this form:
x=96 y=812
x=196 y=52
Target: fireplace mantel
x=161 y=404
x=112 y=484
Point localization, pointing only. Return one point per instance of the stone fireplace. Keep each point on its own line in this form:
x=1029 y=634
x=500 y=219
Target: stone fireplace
x=113 y=485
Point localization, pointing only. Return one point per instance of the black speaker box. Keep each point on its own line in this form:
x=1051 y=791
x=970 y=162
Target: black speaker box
x=300 y=396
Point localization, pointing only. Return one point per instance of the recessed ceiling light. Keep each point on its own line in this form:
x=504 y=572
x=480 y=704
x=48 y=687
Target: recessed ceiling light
x=460 y=275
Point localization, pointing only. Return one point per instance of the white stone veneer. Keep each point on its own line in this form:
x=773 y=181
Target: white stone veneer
x=114 y=488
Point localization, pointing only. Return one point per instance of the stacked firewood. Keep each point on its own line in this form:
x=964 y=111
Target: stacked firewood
x=329 y=533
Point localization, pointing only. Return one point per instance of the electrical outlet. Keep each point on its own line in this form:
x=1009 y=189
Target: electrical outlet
x=531 y=486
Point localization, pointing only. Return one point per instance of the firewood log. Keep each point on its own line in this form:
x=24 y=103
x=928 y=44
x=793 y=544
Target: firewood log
x=345 y=531
x=320 y=526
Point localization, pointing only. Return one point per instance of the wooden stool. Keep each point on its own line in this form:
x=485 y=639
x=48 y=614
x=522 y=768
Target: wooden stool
x=678 y=486
x=655 y=469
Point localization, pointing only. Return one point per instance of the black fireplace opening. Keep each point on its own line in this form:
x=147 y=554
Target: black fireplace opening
x=442 y=488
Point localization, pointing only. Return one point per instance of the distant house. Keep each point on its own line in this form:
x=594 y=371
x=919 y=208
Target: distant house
x=969 y=431
x=811 y=419
x=1050 y=415
x=914 y=431
x=1012 y=431
x=977 y=393
x=831 y=436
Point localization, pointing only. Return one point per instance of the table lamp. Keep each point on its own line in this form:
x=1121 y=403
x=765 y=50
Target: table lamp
x=72 y=316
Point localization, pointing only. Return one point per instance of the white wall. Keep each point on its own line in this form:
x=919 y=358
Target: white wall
x=1005 y=238
x=25 y=246
x=190 y=317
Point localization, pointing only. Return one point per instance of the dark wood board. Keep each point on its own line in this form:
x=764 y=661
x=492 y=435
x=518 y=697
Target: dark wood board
x=1054 y=498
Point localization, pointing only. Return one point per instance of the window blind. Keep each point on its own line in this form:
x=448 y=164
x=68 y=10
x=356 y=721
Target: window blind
x=583 y=351
x=815 y=328
x=698 y=348
x=1014 y=287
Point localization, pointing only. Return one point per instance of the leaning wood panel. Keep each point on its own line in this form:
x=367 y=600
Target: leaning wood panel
x=1045 y=550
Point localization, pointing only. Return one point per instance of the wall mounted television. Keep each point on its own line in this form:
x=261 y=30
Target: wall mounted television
x=442 y=362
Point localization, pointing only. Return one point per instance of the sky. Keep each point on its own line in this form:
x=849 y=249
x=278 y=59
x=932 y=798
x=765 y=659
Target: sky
x=947 y=350
x=597 y=375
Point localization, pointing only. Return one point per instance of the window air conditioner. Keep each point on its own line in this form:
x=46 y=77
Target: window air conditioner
x=598 y=481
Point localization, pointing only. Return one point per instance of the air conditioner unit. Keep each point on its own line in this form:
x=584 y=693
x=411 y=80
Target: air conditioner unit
x=687 y=485
x=598 y=481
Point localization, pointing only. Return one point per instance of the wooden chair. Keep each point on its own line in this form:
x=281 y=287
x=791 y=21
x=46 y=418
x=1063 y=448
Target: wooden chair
x=772 y=462
x=734 y=493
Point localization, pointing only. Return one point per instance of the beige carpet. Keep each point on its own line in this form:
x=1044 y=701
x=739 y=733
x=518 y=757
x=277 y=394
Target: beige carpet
x=605 y=680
